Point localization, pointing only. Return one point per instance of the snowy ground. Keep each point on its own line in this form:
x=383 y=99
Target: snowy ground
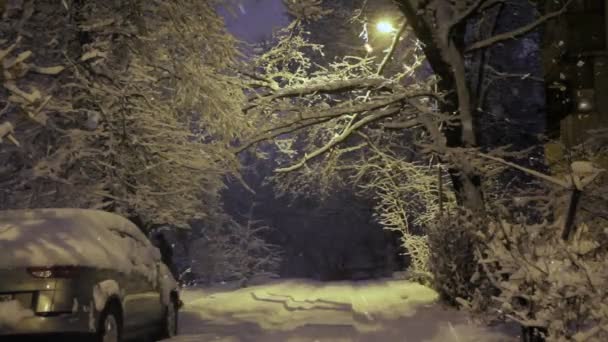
x=302 y=310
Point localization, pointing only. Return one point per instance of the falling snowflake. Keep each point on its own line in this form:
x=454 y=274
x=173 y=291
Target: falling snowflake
x=580 y=63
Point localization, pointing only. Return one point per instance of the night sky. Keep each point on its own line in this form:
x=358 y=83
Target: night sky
x=256 y=19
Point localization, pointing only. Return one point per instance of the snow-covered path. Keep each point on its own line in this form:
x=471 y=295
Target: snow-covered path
x=301 y=310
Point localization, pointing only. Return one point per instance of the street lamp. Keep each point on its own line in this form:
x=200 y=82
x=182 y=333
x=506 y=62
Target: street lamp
x=385 y=26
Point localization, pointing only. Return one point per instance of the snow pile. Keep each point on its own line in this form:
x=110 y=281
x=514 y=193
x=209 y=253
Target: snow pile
x=80 y=237
x=11 y=313
x=287 y=305
x=302 y=310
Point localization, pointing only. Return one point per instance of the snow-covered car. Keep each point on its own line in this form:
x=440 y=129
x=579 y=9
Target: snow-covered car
x=82 y=271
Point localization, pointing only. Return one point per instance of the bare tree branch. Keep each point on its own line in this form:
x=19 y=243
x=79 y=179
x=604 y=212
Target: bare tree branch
x=466 y=13
x=402 y=124
x=518 y=32
x=540 y=175
x=392 y=48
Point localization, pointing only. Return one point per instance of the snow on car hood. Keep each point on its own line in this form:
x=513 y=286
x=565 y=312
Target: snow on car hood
x=80 y=237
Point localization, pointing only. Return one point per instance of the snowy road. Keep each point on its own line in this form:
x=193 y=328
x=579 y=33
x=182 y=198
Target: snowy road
x=299 y=311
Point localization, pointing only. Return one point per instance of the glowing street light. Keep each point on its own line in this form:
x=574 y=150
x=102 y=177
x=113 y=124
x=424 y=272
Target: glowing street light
x=385 y=26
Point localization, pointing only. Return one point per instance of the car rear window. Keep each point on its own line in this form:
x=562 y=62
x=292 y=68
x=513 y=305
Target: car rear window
x=73 y=237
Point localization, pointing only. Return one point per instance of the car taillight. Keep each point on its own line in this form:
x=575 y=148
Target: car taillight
x=53 y=271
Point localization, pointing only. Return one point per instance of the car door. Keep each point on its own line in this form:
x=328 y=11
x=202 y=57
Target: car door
x=141 y=301
x=151 y=294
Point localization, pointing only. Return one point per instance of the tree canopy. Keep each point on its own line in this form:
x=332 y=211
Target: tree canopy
x=128 y=106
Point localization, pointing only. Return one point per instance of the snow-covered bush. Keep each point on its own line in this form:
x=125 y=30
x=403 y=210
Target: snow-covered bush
x=234 y=251
x=552 y=270
x=545 y=281
x=408 y=201
x=505 y=267
x=539 y=256
x=453 y=262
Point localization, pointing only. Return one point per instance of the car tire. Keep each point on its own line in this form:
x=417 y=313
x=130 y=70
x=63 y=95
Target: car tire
x=170 y=320
x=109 y=327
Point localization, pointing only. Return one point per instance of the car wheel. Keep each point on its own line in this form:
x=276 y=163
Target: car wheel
x=170 y=320
x=110 y=325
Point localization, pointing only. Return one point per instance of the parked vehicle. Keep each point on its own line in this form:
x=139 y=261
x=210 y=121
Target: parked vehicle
x=82 y=271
